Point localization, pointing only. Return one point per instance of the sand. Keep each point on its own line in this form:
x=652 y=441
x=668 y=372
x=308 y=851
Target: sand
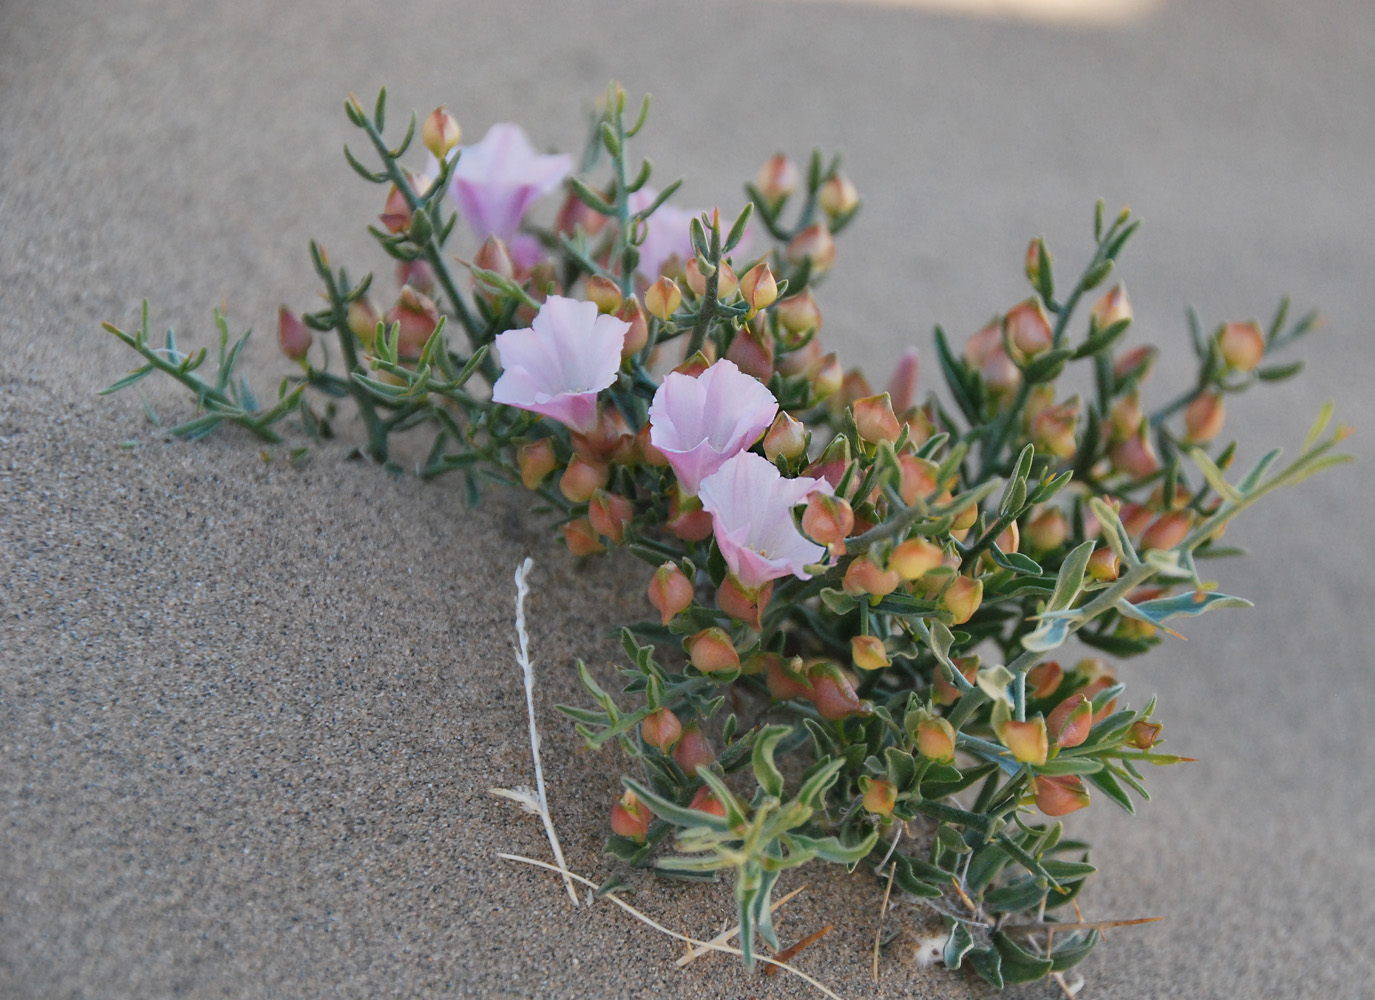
x=250 y=711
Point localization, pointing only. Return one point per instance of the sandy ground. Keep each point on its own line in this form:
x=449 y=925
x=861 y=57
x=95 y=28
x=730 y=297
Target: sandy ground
x=249 y=712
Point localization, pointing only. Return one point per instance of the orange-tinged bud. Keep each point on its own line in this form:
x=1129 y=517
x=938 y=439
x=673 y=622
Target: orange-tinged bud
x=694 y=365
x=828 y=519
x=1070 y=722
x=1028 y=330
x=965 y=518
x=1135 y=457
x=711 y=650
x=962 y=598
x=918 y=477
x=1103 y=565
x=785 y=678
x=417 y=316
x=1059 y=795
x=1203 y=418
x=853 y=386
x=880 y=795
x=638 y=334
x=1010 y=539
x=362 y=321
x=440 y=133
x=1044 y=679
x=583 y=478
x=609 y=440
x=776 y=180
x=837 y=196
x=1168 y=530
x=727 y=284
x=706 y=801
x=604 y=293
x=813 y=244
x=1034 y=249
x=609 y=514
x=936 y=739
x=646 y=452
x=751 y=350
x=1026 y=740
x=416 y=273
x=834 y=694
x=1053 y=429
x=1047 y=531
x=1143 y=734
x=536 y=460
x=687 y=519
x=786 y=438
x=799 y=317
x=1241 y=345
x=663 y=298
x=1135 y=363
x=670 y=591
x=875 y=418
x=493 y=256
x=902 y=384
x=293 y=336
x=693 y=751
x=1135 y=518
x=946 y=693
x=868 y=653
x=759 y=287
x=661 y=729
x=742 y=603
x=396 y=213
x=833 y=462
x=916 y=557
x=863 y=577
x=575 y=214
x=827 y=376
x=582 y=538
x=630 y=818
x=1112 y=308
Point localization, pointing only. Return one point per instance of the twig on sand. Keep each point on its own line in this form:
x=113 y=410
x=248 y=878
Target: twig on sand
x=882 y=912
x=728 y=933
x=539 y=802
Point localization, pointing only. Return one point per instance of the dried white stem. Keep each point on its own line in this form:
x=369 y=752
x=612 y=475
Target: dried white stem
x=730 y=932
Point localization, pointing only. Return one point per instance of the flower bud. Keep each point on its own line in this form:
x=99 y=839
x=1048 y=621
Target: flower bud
x=417 y=316
x=962 y=598
x=1058 y=795
x=1168 y=530
x=638 y=334
x=609 y=514
x=915 y=557
x=493 y=256
x=694 y=365
x=440 y=133
x=945 y=692
x=630 y=818
x=575 y=214
x=827 y=376
x=1053 y=429
x=396 y=213
x=1047 y=531
x=868 y=653
x=711 y=650
x=646 y=452
x=918 y=479
x=582 y=538
x=936 y=739
x=1102 y=565
x=687 y=519
x=1135 y=518
x=875 y=418
x=827 y=519
x=416 y=273
x=1070 y=722
x=693 y=751
x=799 y=317
x=902 y=384
x=1135 y=456
x=786 y=437
x=1143 y=734
x=293 y=336
x=1112 y=308
x=1203 y=419
x=1043 y=680
x=727 y=284
x=663 y=298
x=1241 y=345
x=813 y=244
x=604 y=293
x=670 y=591
x=582 y=479
x=1009 y=539
x=1025 y=740
x=536 y=460
x=785 y=679
x=1034 y=249
x=776 y=180
x=1028 y=330
x=742 y=603
x=863 y=577
x=661 y=729
x=706 y=801
x=1125 y=417
x=880 y=795
x=833 y=462
x=362 y=320
x=759 y=287
x=834 y=694
x=837 y=196
x=751 y=350
x=1135 y=364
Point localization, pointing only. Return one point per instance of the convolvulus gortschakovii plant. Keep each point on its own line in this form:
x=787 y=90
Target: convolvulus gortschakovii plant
x=876 y=585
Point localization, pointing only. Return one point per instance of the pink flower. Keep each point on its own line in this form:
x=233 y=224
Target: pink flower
x=557 y=365
x=496 y=182
x=751 y=511
x=666 y=233
x=700 y=422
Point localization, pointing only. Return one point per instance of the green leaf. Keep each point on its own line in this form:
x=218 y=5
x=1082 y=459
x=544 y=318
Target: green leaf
x=668 y=810
x=1017 y=897
x=912 y=874
x=1070 y=579
x=766 y=772
x=126 y=381
x=1050 y=634
x=1278 y=373
x=837 y=601
x=1073 y=951
x=1189 y=605
x=957 y=945
x=1105 y=781
x=832 y=849
x=823 y=775
x=1019 y=965
x=988 y=964
x=1214 y=476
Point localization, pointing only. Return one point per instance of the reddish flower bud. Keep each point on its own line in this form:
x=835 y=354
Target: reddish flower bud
x=1058 y=795
x=962 y=598
x=583 y=478
x=1168 y=530
x=918 y=477
x=863 y=577
x=493 y=256
x=1047 y=531
x=630 y=818
x=663 y=298
x=575 y=214
x=813 y=244
x=1203 y=419
x=776 y=180
x=1103 y=565
x=293 y=336
x=936 y=739
x=1112 y=308
x=582 y=538
x=362 y=320
x=786 y=437
x=661 y=729
x=416 y=315
x=828 y=519
x=1053 y=429
x=604 y=293
x=1026 y=741
x=1034 y=249
x=440 y=133
x=693 y=751
x=945 y=692
x=799 y=317
x=837 y=196
x=742 y=603
x=1125 y=417
x=751 y=350
x=706 y=801
x=834 y=694
x=727 y=284
x=759 y=287
x=670 y=591
x=1044 y=679
x=1010 y=539
x=1135 y=363
x=416 y=273
x=1028 y=330
x=875 y=418
x=609 y=514
x=711 y=650
x=536 y=460
x=687 y=519
x=694 y=365
x=1070 y=722
x=868 y=652
x=638 y=334
x=902 y=385
x=1134 y=517
x=1143 y=734
x=880 y=795
x=786 y=679
x=916 y=557
x=1134 y=457
x=396 y=213
x=826 y=377
x=1241 y=345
